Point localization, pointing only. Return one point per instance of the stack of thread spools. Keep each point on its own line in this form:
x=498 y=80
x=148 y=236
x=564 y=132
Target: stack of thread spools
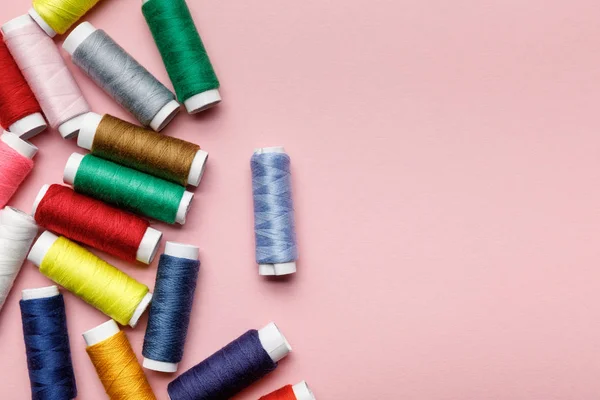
x=131 y=176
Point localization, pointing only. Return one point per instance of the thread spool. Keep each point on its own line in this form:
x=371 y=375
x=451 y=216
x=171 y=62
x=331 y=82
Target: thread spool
x=96 y=224
x=165 y=157
x=256 y=354
x=15 y=164
x=299 y=391
x=116 y=363
x=274 y=225
x=20 y=112
x=17 y=231
x=98 y=283
x=127 y=188
x=57 y=16
x=47 y=344
x=121 y=76
x=46 y=73
x=171 y=307
x=183 y=53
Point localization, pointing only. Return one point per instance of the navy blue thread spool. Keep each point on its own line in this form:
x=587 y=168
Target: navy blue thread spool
x=47 y=344
x=233 y=368
x=274 y=224
x=169 y=318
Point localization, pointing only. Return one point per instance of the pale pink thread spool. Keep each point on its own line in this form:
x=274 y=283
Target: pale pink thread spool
x=15 y=164
x=47 y=74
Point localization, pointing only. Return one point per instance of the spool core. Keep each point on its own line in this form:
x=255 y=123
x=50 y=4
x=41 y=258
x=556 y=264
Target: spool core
x=303 y=392
x=39 y=293
x=40 y=21
x=22 y=147
x=274 y=342
x=29 y=126
x=100 y=333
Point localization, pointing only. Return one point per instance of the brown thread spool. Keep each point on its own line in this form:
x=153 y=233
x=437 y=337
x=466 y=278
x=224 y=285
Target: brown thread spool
x=166 y=157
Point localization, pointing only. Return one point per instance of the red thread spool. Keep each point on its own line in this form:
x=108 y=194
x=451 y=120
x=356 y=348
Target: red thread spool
x=20 y=112
x=300 y=391
x=96 y=224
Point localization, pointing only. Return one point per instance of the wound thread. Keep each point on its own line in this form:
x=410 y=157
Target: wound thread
x=119 y=370
x=91 y=222
x=93 y=280
x=16 y=98
x=165 y=157
x=17 y=232
x=60 y=15
x=225 y=373
x=285 y=393
x=181 y=48
x=47 y=347
x=14 y=166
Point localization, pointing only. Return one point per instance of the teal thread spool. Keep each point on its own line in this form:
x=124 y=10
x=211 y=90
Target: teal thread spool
x=127 y=188
x=183 y=53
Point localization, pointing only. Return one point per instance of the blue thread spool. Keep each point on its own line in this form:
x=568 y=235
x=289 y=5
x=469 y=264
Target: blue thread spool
x=233 y=368
x=274 y=225
x=47 y=344
x=169 y=319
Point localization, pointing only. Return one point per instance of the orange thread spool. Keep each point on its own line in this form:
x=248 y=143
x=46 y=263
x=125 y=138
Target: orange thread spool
x=285 y=393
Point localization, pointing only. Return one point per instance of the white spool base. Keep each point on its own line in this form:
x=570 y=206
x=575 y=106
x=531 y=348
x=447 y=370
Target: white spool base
x=38 y=199
x=39 y=293
x=100 y=333
x=181 y=250
x=87 y=133
x=71 y=128
x=202 y=101
x=29 y=126
x=19 y=145
x=160 y=366
x=303 y=392
x=11 y=215
x=198 y=167
x=184 y=207
x=280 y=269
x=40 y=21
x=17 y=23
x=165 y=115
x=41 y=247
x=71 y=168
x=149 y=246
x=274 y=342
x=140 y=309
x=77 y=36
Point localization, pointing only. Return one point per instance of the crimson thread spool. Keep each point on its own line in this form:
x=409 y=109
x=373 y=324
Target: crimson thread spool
x=15 y=164
x=96 y=224
x=20 y=112
x=299 y=391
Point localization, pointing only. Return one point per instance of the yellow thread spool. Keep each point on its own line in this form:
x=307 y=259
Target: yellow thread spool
x=57 y=16
x=116 y=363
x=95 y=281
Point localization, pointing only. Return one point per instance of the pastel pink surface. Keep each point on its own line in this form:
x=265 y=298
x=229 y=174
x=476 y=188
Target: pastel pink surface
x=445 y=164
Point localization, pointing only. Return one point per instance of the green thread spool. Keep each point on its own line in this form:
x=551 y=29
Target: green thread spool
x=183 y=53
x=127 y=188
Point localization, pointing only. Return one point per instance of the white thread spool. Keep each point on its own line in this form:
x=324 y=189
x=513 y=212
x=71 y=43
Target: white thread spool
x=44 y=244
x=201 y=101
x=80 y=34
x=17 y=232
x=88 y=133
x=277 y=269
x=69 y=128
x=148 y=246
x=178 y=250
x=42 y=24
x=22 y=147
x=303 y=392
x=72 y=167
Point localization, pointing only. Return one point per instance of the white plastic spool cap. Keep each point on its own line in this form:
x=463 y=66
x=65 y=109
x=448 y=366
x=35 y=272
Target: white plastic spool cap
x=19 y=145
x=279 y=268
x=179 y=250
x=303 y=392
x=39 y=198
x=10 y=215
x=71 y=168
x=17 y=23
x=184 y=207
x=202 y=101
x=165 y=115
x=40 y=21
x=70 y=128
x=274 y=342
x=198 y=167
x=29 y=126
x=101 y=333
x=39 y=293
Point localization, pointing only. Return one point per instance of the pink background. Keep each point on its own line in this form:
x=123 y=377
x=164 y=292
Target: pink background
x=446 y=161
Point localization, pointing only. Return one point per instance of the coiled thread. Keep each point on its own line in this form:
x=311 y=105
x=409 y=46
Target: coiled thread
x=274 y=224
x=128 y=189
x=225 y=373
x=14 y=168
x=91 y=222
x=48 y=351
x=285 y=393
x=165 y=157
x=171 y=308
x=17 y=232
x=95 y=281
x=121 y=76
x=119 y=370
x=180 y=46
x=60 y=15
x=44 y=69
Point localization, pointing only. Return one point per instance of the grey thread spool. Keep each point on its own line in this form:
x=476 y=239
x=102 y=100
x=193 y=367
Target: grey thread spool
x=121 y=76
